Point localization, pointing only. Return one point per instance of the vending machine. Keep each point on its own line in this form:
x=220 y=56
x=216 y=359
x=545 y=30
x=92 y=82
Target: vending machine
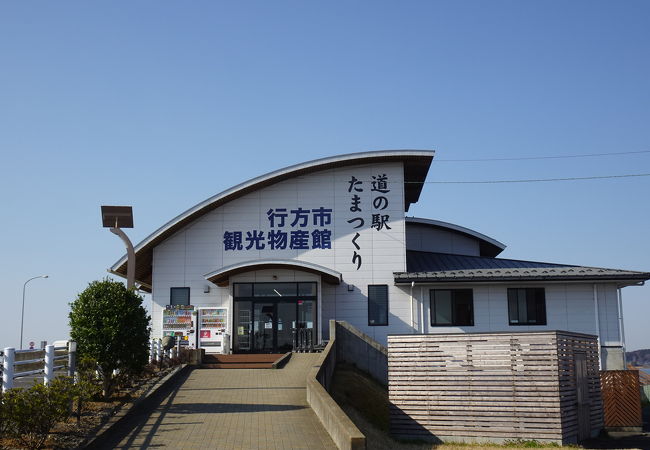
x=213 y=330
x=178 y=320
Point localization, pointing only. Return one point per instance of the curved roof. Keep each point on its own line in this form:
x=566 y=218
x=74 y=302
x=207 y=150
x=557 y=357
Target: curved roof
x=487 y=245
x=221 y=276
x=416 y=166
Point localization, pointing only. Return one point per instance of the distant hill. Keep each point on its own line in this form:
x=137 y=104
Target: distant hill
x=638 y=357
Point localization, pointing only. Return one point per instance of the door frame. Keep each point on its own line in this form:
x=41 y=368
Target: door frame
x=295 y=299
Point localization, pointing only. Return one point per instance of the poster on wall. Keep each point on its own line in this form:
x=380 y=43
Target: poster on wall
x=178 y=321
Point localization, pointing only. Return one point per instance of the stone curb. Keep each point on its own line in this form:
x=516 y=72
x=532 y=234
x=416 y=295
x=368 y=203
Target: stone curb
x=124 y=411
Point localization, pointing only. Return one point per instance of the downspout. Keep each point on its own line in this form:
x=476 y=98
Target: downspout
x=412 y=323
x=621 y=328
x=600 y=361
x=422 y=311
x=422 y=297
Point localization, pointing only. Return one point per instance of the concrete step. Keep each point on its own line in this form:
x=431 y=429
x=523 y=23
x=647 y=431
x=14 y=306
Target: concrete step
x=240 y=361
x=238 y=366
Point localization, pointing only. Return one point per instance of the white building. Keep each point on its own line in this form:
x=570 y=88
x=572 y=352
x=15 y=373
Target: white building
x=329 y=239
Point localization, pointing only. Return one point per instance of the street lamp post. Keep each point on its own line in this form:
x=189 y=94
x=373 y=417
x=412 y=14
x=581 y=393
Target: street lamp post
x=116 y=218
x=22 y=315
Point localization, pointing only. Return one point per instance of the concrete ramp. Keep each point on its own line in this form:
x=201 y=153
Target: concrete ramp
x=231 y=409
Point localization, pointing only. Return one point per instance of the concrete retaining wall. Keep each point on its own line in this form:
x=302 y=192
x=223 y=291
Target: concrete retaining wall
x=359 y=349
x=339 y=426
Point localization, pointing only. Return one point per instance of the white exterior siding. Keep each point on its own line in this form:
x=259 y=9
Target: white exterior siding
x=183 y=259
x=569 y=306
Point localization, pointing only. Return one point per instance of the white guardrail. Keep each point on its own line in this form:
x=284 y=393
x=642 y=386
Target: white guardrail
x=10 y=368
x=158 y=354
x=50 y=361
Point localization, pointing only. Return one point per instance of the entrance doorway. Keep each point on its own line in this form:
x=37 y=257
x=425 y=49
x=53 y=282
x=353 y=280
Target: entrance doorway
x=268 y=315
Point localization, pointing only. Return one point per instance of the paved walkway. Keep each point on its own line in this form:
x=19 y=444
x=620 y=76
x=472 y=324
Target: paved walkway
x=232 y=409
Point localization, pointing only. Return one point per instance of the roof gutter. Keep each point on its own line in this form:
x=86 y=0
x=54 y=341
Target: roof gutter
x=622 y=282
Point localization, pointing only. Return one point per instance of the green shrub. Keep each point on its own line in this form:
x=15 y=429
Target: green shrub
x=111 y=327
x=30 y=414
x=87 y=385
x=4 y=423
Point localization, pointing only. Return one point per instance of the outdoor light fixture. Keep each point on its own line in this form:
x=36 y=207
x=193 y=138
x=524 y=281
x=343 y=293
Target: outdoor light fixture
x=115 y=218
x=22 y=315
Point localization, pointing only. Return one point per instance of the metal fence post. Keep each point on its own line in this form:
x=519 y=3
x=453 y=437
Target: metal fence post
x=159 y=351
x=49 y=364
x=72 y=358
x=152 y=350
x=8 y=368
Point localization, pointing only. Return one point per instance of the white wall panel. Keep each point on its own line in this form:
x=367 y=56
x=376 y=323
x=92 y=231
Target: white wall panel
x=184 y=258
x=569 y=307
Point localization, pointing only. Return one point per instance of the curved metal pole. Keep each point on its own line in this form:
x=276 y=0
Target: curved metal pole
x=22 y=314
x=130 y=262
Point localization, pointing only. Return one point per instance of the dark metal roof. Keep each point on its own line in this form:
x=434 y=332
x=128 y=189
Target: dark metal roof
x=416 y=167
x=425 y=267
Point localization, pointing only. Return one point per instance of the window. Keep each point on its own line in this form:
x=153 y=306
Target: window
x=527 y=306
x=377 y=304
x=275 y=289
x=452 y=307
x=179 y=296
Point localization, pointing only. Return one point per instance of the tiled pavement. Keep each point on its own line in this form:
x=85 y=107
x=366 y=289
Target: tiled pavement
x=232 y=409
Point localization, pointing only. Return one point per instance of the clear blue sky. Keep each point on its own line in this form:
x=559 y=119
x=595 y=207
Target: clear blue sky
x=162 y=104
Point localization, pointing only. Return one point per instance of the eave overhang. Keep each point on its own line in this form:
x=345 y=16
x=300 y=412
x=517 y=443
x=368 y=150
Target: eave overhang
x=416 y=166
x=221 y=277
x=623 y=279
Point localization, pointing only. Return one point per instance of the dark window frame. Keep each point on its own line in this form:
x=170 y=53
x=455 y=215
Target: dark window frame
x=539 y=301
x=371 y=303
x=454 y=321
x=187 y=289
x=257 y=297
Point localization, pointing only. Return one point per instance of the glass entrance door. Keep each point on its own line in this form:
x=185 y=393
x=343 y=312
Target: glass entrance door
x=286 y=322
x=267 y=314
x=263 y=327
x=243 y=317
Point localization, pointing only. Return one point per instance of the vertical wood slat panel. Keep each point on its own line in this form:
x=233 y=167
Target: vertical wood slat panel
x=491 y=386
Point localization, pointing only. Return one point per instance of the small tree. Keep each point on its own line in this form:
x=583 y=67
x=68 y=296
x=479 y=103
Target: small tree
x=111 y=327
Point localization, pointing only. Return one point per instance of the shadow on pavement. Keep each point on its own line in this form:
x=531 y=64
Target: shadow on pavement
x=135 y=424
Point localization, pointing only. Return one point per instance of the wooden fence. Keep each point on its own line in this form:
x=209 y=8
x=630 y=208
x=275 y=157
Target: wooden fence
x=621 y=398
x=480 y=387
